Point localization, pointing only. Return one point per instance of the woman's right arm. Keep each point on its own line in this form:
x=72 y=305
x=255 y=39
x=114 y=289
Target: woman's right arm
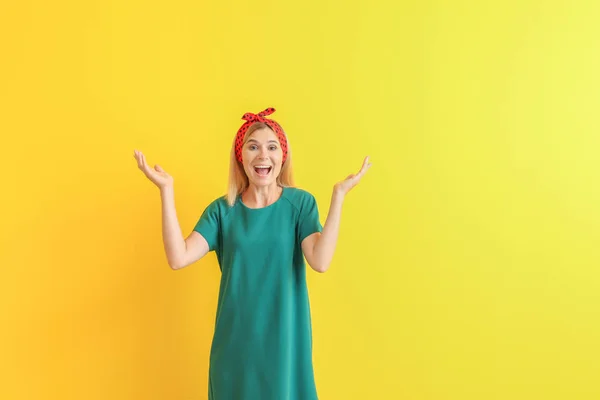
x=180 y=253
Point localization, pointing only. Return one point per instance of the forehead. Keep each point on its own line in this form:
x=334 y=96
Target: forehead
x=263 y=135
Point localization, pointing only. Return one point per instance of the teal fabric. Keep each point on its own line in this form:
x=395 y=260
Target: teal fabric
x=262 y=343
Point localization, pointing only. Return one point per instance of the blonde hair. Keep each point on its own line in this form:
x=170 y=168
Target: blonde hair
x=238 y=181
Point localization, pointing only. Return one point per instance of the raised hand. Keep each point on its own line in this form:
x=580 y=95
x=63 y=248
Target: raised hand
x=157 y=175
x=343 y=187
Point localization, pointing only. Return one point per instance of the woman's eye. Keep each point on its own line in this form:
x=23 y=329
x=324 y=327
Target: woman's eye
x=252 y=147
x=273 y=148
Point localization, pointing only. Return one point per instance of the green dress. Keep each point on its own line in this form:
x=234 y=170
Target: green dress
x=262 y=343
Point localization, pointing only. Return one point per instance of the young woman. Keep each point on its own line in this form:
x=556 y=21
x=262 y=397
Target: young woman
x=261 y=231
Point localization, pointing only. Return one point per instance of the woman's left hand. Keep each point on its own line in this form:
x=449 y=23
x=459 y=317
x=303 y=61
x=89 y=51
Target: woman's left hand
x=343 y=187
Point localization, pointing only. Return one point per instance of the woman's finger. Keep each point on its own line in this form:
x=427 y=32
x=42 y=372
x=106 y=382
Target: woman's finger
x=366 y=163
x=145 y=166
x=365 y=167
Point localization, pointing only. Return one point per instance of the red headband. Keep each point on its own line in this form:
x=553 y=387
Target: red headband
x=252 y=119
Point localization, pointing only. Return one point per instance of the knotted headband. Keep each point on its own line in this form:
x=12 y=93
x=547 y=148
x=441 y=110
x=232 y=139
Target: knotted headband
x=252 y=119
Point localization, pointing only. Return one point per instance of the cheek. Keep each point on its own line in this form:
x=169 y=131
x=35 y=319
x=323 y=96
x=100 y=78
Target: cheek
x=246 y=158
x=279 y=158
x=245 y=162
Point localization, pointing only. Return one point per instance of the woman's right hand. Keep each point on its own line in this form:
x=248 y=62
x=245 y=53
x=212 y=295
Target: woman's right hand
x=157 y=175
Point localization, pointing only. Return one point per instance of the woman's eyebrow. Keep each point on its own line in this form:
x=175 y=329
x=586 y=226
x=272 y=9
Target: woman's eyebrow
x=256 y=141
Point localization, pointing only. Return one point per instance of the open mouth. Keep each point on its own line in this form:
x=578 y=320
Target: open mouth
x=263 y=171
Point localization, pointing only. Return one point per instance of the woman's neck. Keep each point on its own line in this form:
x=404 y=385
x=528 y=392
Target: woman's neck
x=258 y=197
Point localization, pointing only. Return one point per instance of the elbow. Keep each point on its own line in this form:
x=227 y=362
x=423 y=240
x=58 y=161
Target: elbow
x=320 y=268
x=319 y=263
x=176 y=264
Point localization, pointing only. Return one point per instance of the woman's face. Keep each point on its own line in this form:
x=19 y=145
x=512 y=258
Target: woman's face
x=262 y=156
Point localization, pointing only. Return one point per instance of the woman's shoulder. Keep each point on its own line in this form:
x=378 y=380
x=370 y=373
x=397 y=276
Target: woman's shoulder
x=298 y=196
x=218 y=205
x=297 y=192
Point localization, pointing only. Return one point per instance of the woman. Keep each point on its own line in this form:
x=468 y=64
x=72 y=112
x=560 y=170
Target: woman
x=261 y=231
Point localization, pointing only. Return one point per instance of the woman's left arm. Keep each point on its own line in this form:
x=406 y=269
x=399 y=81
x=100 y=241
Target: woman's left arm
x=319 y=248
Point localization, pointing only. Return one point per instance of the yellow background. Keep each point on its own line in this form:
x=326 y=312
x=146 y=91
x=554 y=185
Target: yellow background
x=468 y=261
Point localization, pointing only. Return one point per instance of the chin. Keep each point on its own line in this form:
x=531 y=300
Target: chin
x=262 y=183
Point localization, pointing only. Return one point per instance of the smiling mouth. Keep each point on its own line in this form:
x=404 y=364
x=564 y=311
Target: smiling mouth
x=263 y=171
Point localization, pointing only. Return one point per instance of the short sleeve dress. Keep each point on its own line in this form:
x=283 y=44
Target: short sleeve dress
x=262 y=343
